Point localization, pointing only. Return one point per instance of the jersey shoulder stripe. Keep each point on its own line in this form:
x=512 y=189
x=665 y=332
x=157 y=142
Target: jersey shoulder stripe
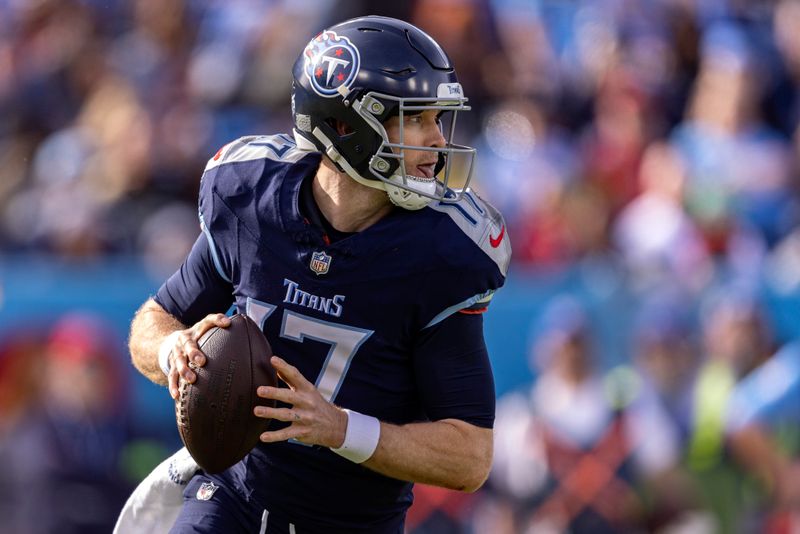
x=280 y=147
x=482 y=223
x=474 y=303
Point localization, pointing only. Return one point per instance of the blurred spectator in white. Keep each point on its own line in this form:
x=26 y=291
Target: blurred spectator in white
x=563 y=449
x=63 y=456
x=658 y=241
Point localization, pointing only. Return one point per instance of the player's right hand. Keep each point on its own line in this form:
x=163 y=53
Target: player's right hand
x=185 y=352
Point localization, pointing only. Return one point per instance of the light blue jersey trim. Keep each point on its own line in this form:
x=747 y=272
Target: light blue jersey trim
x=463 y=212
x=460 y=306
x=472 y=201
x=213 y=247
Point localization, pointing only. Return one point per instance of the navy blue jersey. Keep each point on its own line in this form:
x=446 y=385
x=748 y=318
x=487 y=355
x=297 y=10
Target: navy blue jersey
x=383 y=321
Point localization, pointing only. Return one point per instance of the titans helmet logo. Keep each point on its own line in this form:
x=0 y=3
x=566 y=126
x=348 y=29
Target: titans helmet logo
x=331 y=61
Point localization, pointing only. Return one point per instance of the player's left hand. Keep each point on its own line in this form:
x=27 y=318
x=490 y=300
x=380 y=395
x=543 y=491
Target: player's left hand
x=313 y=419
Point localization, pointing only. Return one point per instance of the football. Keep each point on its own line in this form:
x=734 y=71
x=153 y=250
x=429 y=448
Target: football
x=215 y=414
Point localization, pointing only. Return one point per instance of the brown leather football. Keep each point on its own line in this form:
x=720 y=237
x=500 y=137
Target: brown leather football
x=215 y=414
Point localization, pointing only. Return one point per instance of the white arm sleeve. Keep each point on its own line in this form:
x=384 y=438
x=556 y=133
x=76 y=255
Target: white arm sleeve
x=156 y=502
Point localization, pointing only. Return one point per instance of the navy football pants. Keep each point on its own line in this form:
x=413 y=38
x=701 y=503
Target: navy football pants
x=224 y=511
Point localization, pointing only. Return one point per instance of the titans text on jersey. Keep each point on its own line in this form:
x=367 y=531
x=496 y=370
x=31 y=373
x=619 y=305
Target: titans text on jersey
x=295 y=295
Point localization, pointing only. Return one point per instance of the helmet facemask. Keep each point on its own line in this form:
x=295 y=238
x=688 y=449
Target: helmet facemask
x=388 y=164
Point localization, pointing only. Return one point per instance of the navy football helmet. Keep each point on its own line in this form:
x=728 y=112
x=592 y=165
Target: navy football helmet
x=362 y=72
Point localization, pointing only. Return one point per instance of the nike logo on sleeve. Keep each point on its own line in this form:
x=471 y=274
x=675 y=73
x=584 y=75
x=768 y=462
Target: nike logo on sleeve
x=495 y=241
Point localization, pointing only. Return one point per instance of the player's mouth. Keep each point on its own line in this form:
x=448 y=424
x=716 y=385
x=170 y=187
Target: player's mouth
x=426 y=170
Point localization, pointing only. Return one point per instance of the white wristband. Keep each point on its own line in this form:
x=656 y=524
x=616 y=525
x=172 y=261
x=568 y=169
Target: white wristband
x=164 y=351
x=361 y=437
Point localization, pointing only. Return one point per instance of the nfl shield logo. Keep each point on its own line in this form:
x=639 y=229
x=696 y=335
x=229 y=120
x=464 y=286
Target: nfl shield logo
x=206 y=491
x=320 y=262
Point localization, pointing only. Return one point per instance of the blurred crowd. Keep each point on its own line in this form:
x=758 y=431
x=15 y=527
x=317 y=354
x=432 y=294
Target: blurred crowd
x=660 y=135
x=697 y=433
x=648 y=144
x=68 y=456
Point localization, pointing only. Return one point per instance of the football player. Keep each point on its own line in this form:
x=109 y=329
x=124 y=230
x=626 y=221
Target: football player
x=368 y=264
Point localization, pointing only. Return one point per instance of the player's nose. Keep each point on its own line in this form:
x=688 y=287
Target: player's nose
x=434 y=135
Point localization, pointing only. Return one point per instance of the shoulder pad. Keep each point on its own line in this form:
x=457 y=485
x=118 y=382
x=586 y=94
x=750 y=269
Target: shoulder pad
x=279 y=147
x=483 y=224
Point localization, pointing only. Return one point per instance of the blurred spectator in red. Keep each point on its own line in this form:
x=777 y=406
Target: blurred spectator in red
x=613 y=144
x=21 y=365
x=63 y=455
x=570 y=225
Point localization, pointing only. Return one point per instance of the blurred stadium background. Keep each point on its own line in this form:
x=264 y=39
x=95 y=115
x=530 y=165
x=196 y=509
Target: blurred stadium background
x=645 y=153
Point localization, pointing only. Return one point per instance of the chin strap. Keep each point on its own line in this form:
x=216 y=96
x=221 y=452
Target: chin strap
x=407 y=199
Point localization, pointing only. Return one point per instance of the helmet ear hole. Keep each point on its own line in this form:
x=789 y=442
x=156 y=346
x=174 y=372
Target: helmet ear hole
x=341 y=128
